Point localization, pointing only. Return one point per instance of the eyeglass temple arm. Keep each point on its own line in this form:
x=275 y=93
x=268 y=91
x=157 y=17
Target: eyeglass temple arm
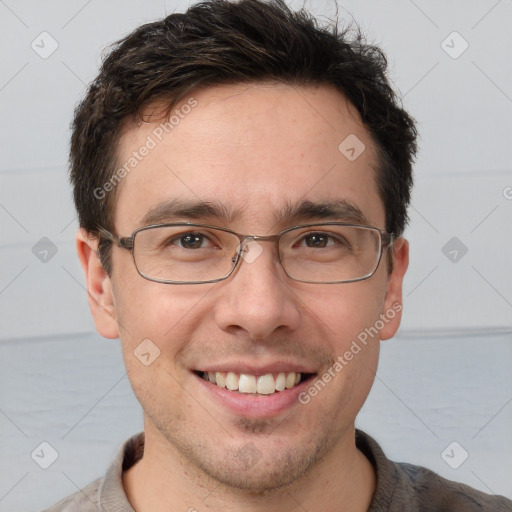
x=387 y=238
x=125 y=243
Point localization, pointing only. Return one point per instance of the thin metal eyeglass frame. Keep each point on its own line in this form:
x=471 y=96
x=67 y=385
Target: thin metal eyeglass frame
x=128 y=243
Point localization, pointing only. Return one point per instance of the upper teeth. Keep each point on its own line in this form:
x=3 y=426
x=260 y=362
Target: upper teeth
x=246 y=383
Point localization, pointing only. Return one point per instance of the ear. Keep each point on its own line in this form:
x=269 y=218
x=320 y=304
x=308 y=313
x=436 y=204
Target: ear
x=392 y=312
x=99 y=285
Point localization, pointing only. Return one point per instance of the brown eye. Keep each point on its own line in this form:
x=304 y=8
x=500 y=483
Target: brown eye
x=316 y=240
x=191 y=240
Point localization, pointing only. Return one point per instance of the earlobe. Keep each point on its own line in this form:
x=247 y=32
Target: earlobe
x=392 y=312
x=99 y=286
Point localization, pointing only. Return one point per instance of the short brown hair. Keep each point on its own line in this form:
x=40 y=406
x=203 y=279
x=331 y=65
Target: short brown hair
x=218 y=42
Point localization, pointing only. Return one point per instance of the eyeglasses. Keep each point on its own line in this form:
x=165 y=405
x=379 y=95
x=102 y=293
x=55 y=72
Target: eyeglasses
x=185 y=253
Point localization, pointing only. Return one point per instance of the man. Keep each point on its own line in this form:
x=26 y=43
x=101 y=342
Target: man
x=242 y=179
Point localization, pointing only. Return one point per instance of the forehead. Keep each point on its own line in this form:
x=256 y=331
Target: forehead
x=255 y=150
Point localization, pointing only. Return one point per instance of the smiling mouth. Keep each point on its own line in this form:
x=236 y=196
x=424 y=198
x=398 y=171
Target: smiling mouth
x=244 y=383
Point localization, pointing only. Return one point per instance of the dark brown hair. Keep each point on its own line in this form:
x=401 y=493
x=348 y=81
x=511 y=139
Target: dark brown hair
x=217 y=42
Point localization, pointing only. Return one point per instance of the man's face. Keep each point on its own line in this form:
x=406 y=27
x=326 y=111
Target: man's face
x=256 y=150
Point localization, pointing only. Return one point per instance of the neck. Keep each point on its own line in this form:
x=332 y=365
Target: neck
x=344 y=480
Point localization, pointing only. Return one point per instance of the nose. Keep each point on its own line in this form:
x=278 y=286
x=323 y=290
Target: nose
x=257 y=298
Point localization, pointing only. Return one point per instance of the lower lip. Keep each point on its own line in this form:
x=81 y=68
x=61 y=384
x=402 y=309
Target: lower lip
x=254 y=406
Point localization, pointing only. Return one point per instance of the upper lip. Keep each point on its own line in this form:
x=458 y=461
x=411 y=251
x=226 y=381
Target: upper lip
x=256 y=368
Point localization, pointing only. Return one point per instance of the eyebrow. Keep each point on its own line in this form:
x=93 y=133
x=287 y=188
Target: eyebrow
x=338 y=210
x=186 y=209
x=181 y=209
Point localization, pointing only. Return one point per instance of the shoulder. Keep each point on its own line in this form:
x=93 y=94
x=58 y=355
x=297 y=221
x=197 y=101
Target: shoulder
x=402 y=486
x=435 y=493
x=85 y=500
x=106 y=493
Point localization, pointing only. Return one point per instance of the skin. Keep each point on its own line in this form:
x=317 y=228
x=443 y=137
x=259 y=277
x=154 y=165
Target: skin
x=253 y=148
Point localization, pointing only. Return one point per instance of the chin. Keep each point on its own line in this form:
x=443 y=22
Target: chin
x=260 y=466
x=259 y=475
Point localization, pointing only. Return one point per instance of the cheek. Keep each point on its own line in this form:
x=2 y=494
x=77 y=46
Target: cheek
x=157 y=322
x=166 y=315
x=346 y=310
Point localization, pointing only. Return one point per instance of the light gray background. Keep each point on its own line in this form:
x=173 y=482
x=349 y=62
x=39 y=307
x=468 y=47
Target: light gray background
x=445 y=377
